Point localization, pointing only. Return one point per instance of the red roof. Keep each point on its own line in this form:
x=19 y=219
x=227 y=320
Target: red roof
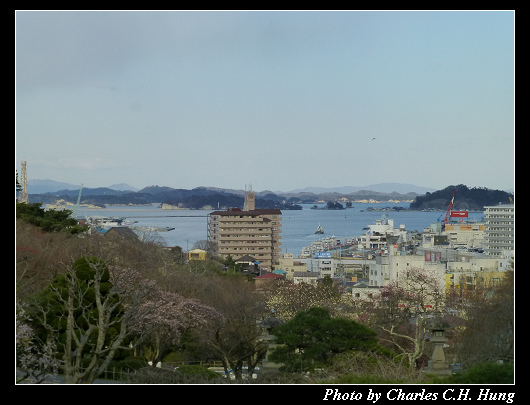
x=270 y=275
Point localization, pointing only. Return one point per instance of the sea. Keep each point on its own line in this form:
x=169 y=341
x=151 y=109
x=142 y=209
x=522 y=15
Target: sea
x=298 y=226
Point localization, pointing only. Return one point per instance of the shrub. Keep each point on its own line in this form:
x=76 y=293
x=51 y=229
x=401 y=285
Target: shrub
x=132 y=363
x=197 y=372
x=486 y=373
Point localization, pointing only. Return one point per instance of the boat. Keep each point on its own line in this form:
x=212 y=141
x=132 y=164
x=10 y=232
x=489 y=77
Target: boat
x=319 y=230
x=152 y=228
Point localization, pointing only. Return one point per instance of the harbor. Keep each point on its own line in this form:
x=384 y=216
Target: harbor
x=298 y=227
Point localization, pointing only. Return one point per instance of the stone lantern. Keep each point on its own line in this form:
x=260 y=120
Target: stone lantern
x=437 y=365
x=268 y=324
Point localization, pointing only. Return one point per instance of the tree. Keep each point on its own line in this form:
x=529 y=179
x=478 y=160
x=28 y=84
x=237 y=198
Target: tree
x=401 y=311
x=95 y=311
x=34 y=359
x=312 y=338
x=287 y=301
x=487 y=334
x=87 y=315
x=50 y=220
x=236 y=337
x=168 y=316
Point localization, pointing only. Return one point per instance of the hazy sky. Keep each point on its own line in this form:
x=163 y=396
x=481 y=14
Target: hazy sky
x=283 y=100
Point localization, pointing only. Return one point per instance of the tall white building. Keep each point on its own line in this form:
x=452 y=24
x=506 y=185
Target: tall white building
x=500 y=229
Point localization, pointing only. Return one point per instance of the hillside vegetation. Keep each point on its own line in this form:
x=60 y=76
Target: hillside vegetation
x=475 y=198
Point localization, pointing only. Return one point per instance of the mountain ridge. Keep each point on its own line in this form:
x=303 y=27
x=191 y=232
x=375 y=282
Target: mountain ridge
x=208 y=197
x=401 y=188
x=38 y=186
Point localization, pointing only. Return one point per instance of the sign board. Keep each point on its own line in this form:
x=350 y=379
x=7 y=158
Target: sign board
x=459 y=214
x=440 y=240
x=322 y=255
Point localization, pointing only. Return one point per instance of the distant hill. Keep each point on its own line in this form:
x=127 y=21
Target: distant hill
x=475 y=198
x=210 y=196
x=123 y=187
x=36 y=186
x=466 y=198
x=401 y=188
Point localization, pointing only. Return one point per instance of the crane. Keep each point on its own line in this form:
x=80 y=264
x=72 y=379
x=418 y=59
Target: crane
x=76 y=206
x=448 y=213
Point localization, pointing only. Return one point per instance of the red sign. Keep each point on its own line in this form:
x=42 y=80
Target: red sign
x=459 y=214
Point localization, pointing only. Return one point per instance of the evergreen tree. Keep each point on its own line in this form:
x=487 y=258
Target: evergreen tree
x=312 y=338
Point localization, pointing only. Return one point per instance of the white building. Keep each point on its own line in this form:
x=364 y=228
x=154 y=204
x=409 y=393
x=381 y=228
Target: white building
x=500 y=229
x=310 y=277
x=376 y=234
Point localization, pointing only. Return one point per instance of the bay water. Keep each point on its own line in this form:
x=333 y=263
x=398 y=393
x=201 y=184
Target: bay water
x=298 y=227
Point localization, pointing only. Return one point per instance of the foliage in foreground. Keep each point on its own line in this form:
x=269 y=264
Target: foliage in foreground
x=486 y=373
x=313 y=338
x=50 y=220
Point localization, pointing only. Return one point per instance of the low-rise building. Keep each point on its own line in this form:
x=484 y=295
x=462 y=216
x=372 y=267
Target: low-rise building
x=197 y=254
x=288 y=264
x=310 y=277
x=468 y=235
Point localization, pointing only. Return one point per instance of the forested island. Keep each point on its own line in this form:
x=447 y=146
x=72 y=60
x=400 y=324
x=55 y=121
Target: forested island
x=471 y=199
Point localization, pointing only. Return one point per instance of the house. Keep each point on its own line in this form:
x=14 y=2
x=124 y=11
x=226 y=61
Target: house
x=306 y=277
x=249 y=264
x=197 y=254
x=119 y=232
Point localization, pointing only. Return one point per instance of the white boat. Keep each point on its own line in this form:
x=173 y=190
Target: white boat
x=319 y=230
x=152 y=228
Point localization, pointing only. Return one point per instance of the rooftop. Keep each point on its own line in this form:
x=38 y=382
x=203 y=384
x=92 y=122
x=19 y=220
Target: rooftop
x=305 y=274
x=238 y=212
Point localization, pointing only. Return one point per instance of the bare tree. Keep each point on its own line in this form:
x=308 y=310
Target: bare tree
x=402 y=310
x=488 y=317
x=236 y=337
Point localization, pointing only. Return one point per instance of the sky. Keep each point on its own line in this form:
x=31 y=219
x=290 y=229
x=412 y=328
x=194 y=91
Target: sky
x=281 y=100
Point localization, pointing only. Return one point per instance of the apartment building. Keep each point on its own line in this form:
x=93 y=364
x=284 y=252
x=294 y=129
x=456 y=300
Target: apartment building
x=500 y=229
x=249 y=231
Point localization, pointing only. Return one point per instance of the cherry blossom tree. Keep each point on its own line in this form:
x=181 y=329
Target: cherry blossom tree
x=163 y=319
x=35 y=360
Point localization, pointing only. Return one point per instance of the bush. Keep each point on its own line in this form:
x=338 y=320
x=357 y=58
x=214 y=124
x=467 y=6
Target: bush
x=356 y=367
x=182 y=375
x=132 y=363
x=363 y=379
x=197 y=372
x=487 y=373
